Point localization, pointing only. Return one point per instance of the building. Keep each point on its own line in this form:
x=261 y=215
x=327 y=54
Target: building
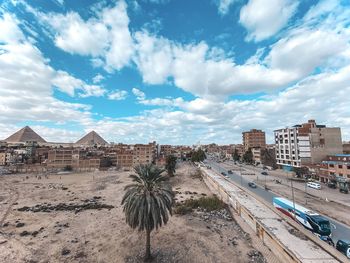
x=256 y=155
x=74 y=158
x=144 y=153
x=253 y=139
x=335 y=168
x=305 y=144
x=346 y=147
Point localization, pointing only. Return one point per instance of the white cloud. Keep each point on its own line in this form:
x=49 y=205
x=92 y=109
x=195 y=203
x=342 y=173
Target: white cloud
x=106 y=37
x=264 y=18
x=224 y=6
x=140 y=95
x=98 y=78
x=26 y=83
x=118 y=95
x=153 y=58
x=69 y=84
x=304 y=51
x=9 y=32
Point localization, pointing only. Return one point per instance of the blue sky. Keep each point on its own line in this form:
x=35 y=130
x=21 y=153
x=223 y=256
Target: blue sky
x=177 y=72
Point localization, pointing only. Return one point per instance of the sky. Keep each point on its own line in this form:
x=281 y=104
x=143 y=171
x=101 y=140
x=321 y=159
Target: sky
x=173 y=71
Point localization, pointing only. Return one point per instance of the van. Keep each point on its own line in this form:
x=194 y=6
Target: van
x=314 y=185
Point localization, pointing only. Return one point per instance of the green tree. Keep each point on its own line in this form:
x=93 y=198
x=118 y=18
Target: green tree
x=301 y=171
x=148 y=201
x=170 y=164
x=235 y=155
x=198 y=156
x=248 y=156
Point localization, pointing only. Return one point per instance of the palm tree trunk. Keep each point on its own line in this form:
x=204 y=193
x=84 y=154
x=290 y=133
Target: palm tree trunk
x=148 y=244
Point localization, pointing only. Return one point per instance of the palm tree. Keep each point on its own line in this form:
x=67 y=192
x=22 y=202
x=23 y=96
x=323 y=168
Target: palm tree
x=148 y=201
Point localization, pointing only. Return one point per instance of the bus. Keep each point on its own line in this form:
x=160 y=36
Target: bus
x=312 y=221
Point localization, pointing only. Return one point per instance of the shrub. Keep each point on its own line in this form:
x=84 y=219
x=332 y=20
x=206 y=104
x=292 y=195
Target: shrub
x=211 y=203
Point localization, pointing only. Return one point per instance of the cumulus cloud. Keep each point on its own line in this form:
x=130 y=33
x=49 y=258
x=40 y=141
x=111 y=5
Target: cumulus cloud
x=105 y=37
x=26 y=83
x=118 y=95
x=264 y=18
x=69 y=84
x=154 y=57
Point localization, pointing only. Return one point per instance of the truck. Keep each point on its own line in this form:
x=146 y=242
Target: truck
x=316 y=223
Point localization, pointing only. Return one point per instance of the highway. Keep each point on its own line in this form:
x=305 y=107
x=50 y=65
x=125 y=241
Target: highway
x=339 y=230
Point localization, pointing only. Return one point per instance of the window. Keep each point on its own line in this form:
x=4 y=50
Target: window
x=340 y=166
x=340 y=174
x=331 y=165
x=348 y=167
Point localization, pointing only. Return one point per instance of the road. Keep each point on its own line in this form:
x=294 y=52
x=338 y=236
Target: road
x=339 y=230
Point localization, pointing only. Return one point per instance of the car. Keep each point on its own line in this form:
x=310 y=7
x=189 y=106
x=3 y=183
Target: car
x=343 y=246
x=252 y=185
x=264 y=173
x=332 y=185
x=314 y=185
x=223 y=173
x=344 y=190
x=328 y=240
x=230 y=172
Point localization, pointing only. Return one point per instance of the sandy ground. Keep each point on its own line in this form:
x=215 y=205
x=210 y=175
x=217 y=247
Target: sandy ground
x=332 y=209
x=101 y=235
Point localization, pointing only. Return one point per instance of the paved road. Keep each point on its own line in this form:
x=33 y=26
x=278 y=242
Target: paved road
x=339 y=231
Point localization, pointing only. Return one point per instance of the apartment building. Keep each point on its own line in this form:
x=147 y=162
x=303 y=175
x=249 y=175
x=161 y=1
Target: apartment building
x=335 y=167
x=346 y=147
x=253 y=139
x=78 y=160
x=144 y=153
x=304 y=144
x=256 y=155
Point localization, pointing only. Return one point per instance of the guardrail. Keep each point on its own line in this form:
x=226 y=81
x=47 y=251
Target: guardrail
x=262 y=231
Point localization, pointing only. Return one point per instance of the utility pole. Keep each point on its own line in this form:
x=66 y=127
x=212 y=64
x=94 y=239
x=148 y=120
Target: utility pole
x=291 y=182
x=306 y=179
x=240 y=169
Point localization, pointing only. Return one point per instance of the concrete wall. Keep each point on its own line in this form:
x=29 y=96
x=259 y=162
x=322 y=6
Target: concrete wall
x=264 y=226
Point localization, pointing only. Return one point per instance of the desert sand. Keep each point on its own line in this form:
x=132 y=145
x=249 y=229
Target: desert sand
x=79 y=218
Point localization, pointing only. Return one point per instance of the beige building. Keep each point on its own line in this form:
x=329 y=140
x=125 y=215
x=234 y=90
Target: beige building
x=335 y=167
x=253 y=139
x=256 y=155
x=61 y=158
x=308 y=143
x=144 y=153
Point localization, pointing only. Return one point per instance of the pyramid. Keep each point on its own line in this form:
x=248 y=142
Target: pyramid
x=92 y=138
x=25 y=134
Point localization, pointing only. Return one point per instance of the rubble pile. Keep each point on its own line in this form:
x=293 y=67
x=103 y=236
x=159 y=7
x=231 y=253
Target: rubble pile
x=87 y=204
x=207 y=216
x=256 y=256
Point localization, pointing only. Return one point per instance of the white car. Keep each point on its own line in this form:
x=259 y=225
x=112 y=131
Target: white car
x=314 y=185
